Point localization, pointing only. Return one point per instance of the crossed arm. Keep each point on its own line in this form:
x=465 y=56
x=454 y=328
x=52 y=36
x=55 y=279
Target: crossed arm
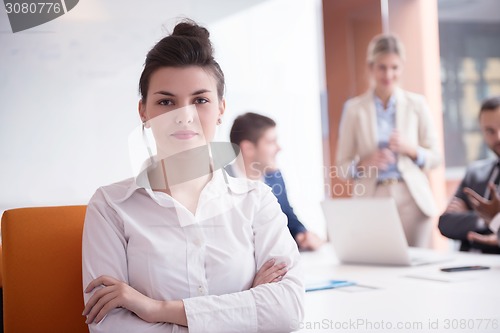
x=118 y=294
x=465 y=220
x=273 y=302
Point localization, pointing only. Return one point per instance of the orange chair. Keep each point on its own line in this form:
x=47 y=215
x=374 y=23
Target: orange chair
x=1 y=278
x=42 y=270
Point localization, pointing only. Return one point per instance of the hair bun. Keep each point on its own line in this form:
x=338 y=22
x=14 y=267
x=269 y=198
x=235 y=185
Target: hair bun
x=188 y=45
x=191 y=29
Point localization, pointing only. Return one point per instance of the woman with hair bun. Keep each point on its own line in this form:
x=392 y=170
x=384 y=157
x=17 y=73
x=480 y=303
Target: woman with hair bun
x=182 y=246
x=387 y=142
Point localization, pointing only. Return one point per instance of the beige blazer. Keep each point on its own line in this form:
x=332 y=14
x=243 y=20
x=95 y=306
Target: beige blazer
x=358 y=139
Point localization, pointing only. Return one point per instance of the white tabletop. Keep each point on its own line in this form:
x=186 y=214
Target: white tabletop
x=389 y=300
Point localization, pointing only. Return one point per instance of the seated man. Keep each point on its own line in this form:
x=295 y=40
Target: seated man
x=256 y=136
x=466 y=218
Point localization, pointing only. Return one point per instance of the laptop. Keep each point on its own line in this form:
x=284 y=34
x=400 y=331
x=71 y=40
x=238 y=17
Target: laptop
x=369 y=231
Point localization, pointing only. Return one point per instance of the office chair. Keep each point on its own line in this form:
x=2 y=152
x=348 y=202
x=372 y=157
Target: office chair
x=42 y=270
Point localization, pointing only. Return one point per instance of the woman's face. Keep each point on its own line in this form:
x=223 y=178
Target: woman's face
x=386 y=71
x=182 y=108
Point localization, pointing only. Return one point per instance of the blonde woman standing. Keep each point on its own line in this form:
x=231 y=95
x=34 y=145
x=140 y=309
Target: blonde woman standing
x=387 y=141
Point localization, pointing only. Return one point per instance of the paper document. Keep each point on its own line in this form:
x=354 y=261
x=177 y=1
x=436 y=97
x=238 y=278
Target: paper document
x=327 y=284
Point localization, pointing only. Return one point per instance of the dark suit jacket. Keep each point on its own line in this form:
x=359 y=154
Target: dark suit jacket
x=277 y=184
x=457 y=225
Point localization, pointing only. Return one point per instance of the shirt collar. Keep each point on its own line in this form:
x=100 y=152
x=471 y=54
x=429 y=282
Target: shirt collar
x=390 y=104
x=239 y=173
x=220 y=184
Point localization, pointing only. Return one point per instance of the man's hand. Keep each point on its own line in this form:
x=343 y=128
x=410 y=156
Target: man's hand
x=456 y=205
x=308 y=241
x=486 y=209
x=490 y=239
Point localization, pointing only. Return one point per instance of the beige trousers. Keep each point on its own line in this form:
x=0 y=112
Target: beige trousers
x=416 y=225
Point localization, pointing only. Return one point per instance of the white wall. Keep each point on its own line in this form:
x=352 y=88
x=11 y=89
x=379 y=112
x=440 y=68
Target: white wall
x=69 y=92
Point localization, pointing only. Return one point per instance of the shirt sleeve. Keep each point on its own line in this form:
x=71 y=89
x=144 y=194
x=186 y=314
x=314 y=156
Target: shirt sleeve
x=272 y=307
x=420 y=160
x=278 y=187
x=458 y=225
x=104 y=253
x=460 y=194
x=347 y=157
x=427 y=138
x=495 y=224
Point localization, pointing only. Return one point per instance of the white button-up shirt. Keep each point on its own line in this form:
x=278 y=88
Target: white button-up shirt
x=495 y=226
x=150 y=241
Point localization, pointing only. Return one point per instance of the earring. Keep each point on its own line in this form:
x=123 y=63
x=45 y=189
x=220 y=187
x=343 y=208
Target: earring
x=146 y=142
x=219 y=121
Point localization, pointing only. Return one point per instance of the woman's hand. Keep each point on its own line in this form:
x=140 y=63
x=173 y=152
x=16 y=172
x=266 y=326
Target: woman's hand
x=380 y=159
x=399 y=146
x=118 y=294
x=270 y=272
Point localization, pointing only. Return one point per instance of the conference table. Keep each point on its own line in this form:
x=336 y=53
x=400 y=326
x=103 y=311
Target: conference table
x=402 y=299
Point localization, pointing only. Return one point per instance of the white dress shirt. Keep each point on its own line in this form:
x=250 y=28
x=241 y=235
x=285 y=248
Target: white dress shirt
x=495 y=224
x=150 y=241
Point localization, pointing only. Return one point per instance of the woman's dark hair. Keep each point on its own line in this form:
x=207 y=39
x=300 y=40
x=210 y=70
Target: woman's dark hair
x=188 y=45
